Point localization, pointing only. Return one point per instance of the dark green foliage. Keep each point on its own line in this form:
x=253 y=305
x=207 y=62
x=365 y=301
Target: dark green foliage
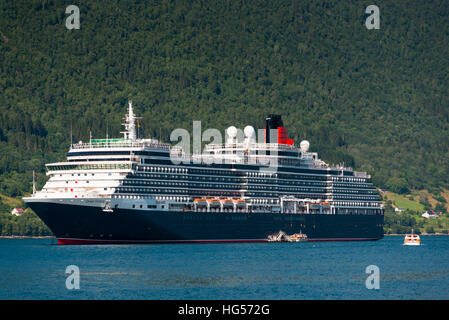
x=425 y=202
x=373 y=99
x=399 y=223
x=440 y=207
x=430 y=229
x=28 y=224
x=398 y=185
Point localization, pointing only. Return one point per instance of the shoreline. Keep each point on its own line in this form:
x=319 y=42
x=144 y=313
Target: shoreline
x=27 y=237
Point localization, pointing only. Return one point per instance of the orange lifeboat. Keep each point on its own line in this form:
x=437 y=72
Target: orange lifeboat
x=226 y=201
x=297 y=237
x=239 y=202
x=227 y=204
x=200 y=201
x=213 y=201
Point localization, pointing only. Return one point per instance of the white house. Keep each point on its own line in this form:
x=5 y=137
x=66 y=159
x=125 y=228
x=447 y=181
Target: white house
x=399 y=209
x=17 y=211
x=430 y=215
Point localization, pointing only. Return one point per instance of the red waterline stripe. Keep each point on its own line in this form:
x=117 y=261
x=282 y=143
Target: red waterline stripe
x=343 y=239
x=70 y=241
x=67 y=241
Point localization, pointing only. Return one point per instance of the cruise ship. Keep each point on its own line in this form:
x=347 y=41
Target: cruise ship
x=133 y=190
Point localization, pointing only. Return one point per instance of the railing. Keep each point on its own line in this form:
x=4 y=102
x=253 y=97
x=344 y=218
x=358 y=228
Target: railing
x=361 y=175
x=267 y=146
x=121 y=144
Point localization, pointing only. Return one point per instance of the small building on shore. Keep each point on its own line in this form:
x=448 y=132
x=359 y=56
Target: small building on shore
x=17 y=211
x=429 y=215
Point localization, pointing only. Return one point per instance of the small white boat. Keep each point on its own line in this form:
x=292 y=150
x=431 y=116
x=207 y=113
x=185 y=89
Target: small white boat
x=412 y=240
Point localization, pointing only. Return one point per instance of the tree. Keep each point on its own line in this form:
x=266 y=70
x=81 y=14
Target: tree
x=398 y=185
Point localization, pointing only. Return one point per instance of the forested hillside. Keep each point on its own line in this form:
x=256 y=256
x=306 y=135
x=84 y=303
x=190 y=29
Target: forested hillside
x=374 y=99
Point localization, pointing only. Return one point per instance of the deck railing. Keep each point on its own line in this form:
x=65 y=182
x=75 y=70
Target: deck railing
x=121 y=144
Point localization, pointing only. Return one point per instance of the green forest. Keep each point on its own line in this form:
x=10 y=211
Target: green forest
x=376 y=100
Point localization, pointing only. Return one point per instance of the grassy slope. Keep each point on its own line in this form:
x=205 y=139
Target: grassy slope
x=411 y=202
x=403 y=201
x=11 y=202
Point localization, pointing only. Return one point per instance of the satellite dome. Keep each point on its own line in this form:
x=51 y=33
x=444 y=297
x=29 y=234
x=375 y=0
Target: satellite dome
x=249 y=131
x=232 y=132
x=304 y=145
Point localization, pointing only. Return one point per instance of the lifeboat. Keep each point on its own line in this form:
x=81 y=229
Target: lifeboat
x=200 y=201
x=213 y=202
x=239 y=202
x=412 y=240
x=226 y=202
x=297 y=237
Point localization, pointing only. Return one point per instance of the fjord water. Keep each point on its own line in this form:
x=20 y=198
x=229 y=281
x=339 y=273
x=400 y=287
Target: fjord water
x=35 y=269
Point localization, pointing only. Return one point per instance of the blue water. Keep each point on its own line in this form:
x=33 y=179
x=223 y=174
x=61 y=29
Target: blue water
x=35 y=269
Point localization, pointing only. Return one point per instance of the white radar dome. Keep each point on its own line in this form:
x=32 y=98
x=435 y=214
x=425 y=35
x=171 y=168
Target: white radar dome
x=249 y=131
x=232 y=132
x=304 y=145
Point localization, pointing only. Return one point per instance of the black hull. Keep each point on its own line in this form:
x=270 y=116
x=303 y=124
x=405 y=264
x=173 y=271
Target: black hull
x=73 y=224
